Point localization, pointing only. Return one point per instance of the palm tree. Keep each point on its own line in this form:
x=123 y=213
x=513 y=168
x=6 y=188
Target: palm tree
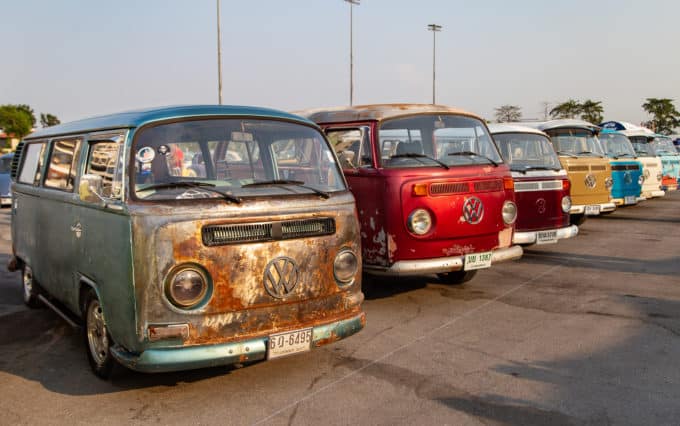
x=568 y=109
x=592 y=111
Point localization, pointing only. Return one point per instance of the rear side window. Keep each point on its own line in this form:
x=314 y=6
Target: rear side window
x=61 y=171
x=104 y=161
x=33 y=155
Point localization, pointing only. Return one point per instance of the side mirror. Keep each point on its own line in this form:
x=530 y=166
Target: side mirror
x=90 y=188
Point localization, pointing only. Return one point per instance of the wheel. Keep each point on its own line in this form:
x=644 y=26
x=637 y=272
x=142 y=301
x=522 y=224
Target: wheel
x=97 y=339
x=577 y=219
x=457 y=277
x=30 y=287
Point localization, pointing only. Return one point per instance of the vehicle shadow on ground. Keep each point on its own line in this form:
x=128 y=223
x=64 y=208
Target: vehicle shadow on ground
x=37 y=344
x=664 y=266
x=377 y=287
x=615 y=216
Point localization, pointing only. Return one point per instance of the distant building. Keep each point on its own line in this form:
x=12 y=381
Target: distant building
x=7 y=142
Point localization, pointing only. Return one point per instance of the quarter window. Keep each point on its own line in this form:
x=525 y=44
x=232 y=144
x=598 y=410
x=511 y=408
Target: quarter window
x=33 y=155
x=61 y=172
x=352 y=147
x=104 y=161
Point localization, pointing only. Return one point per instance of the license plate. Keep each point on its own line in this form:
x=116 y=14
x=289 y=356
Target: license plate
x=594 y=209
x=477 y=261
x=289 y=343
x=546 y=237
x=629 y=199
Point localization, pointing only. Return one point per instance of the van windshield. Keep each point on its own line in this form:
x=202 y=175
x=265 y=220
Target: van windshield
x=616 y=145
x=642 y=146
x=575 y=142
x=232 y=158
x=435 y=140
x=664 y=146
x=527 y=151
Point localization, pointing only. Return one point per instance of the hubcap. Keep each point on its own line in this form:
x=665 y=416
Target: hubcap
x=28 y=283
x=96 y=333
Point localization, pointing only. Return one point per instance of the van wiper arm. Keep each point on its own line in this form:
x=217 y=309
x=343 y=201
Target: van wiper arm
x=567 y=153
x=299 y=183
x=527 y=168
x=470 y=153
x=193 y=184
x=418 y=156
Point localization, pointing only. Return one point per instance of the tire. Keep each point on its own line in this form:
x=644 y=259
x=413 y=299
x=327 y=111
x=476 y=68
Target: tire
x=577 y=219
x=97 y=338
x=30 y=287
x=457 y=277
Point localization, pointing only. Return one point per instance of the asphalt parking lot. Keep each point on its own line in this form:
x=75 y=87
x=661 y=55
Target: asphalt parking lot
x=586 y=331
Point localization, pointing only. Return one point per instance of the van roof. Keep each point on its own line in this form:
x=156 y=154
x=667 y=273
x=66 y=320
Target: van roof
x=375 y=112
x=513 y=128
x=560 y=124
x=139 y=117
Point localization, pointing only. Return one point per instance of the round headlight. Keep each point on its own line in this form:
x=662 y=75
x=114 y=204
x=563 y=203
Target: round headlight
x=646 y=173
x=419 y=222
x=659 y=176
x=566 y=203
x=187 y=288
x=345 y=267
x=509 y=212
x=608 y=183
x=641 y=180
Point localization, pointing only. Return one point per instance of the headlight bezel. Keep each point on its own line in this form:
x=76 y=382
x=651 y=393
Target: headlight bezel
x=196 y=302
x=509 y=207
x=608 y=182
x=347 y=278
x=566 y=200
x=420 y=214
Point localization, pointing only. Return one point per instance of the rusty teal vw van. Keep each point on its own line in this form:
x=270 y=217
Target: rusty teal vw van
x=186 y=237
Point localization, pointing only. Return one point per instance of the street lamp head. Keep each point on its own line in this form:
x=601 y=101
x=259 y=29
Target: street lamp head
x=353 y=1
x=431 y=27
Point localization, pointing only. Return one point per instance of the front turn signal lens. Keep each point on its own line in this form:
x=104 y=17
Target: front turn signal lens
x=508 y=183
x=420 y=189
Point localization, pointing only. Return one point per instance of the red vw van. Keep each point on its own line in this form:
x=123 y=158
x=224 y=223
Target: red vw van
x=433 y=193
x=541 y=185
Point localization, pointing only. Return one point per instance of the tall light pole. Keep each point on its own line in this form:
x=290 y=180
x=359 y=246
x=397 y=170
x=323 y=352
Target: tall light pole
x=435 y=29
x=351 y=49
x=219 y=56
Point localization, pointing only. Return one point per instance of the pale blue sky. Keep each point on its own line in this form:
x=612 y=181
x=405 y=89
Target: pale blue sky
x=77 y=58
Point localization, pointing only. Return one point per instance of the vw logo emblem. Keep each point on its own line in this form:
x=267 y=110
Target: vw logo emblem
x=628 y=178
x=590 y=181
x=540 y=205
x=473 y=210
x=280 y=277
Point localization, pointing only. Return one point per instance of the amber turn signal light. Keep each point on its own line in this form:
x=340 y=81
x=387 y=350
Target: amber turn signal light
x=420 y=189
x=508 y=183
x=566 y=184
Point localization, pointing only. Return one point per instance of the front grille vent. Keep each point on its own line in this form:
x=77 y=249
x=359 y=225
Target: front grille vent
x=489 y=186
x=598 y=168
x=578 y=169
x=445 y=188
x=217 y=235
x=625 y=167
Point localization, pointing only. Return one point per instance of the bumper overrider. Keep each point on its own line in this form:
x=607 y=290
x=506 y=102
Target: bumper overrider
x=604 y=208
x=530 y=237
x=202 y=356
x=439 y=265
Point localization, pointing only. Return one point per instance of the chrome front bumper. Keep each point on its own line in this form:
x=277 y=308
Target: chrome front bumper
x=604 y=208
x=530 y=237
x=439 y=265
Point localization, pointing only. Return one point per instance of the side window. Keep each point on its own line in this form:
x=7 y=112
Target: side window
x=61 y=170
x=104 y=161
x=352 y=147
x=33 y=161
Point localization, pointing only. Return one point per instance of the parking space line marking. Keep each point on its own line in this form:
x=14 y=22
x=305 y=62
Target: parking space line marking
x=406 y=345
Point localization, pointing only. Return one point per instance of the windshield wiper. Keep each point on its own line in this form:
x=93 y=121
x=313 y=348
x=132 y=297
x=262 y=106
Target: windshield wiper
x=567 y=153
x=470 y=153
x=287 y=182
x=193 y=184
x=590 y=153
x=527 y=168
x=418 y=156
